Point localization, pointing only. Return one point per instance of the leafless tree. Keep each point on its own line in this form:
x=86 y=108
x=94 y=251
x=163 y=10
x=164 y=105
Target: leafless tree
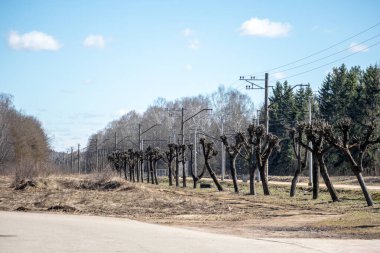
x=316 y=134
x=233 y=152
x=209 y=152
x=179 y=149
x=354 y=148
x=196 y=175
x=262 y=145
x=116 y=160
x=296 y=136
x=168 y=158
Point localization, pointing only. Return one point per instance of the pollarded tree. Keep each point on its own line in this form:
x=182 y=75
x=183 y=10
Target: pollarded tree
x=209 y=152
x=132 y=161
x=233 y=152
x=179 y=149
x=262 y=145
x=316 y=134
x=149 y=163
x=168 y=158
x=197 y=176
x=156 y=156
x=116 y=159
x=354 y=148
x=296 y=136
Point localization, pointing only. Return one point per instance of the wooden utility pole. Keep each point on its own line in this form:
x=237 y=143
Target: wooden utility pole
x=253 y=86
x=140 y=165
x=78 y=158
x=97 y=155
x=266 y=104
x=71 y=162
x=223 y=152
x=195 y=153
x=310 y=155
x=183 y=151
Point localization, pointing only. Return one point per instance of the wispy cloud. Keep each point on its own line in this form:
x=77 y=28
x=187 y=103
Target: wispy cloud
x=194 y=44
x=279 y=75
x=32 y=41
x=264 y=28
x=87 y=81
x=355 y=47
x=189 y=67
x=187 y=32
x=95 y=41
x=192 y=39
x=121 y=112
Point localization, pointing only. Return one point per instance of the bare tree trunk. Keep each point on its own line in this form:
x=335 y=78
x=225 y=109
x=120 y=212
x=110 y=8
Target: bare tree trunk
x=326 y=178
x=315 y=177
x=176 y=172
x=133 y=174
x=213 y=176
x=125 y=171
x=264 y=180
x=183 y=172
x=233 y=172
x=252 y=189
x=170 y=174
x=147 y=172
x=294 y=183
x=367 y=196
x=142 y=170
x=151 y=171
x=155 y=172
x=137 y=171
x=297 y=150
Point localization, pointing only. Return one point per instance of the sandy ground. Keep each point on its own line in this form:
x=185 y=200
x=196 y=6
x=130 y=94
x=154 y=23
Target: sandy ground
x=277 y=216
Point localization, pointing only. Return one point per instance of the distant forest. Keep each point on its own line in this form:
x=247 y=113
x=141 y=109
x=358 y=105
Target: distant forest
x=24 y=145
x=345 y=93
x=352 y=93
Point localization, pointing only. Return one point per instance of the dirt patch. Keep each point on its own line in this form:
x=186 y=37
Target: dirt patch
x=62 y=208
x=23 y=184
x=22 y=209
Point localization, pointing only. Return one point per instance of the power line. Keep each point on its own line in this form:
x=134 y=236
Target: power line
x=320 y=51
x=328 y=56
x=321 y=66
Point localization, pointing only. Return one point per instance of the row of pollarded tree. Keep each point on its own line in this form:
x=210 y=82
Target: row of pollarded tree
x=324 y=136
x=255 y=146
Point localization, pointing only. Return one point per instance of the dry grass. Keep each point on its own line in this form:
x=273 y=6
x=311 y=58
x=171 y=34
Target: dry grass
x=226 y=212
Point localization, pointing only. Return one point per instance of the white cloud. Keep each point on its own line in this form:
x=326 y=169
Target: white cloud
x=189 y=67
x=279 y=75
x=33 y=41
x=264 y=28
x=355 y=47
x=121 y=112
x=194 y=44
x=96 y=41
x=87 y=81
x=192 y=40
x=187 y=32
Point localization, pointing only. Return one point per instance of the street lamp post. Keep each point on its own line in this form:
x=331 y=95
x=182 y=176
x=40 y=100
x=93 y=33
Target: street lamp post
x=183 y=121
x=141 y=165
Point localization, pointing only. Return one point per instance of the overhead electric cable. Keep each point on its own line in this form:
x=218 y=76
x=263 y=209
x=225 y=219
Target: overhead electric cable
x=321 y=66
x=318 y=52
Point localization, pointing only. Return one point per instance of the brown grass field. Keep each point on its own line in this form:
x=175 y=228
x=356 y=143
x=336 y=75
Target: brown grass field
x=240 y=214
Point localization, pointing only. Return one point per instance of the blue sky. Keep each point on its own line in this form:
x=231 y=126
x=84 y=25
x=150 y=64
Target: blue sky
x=77 y=65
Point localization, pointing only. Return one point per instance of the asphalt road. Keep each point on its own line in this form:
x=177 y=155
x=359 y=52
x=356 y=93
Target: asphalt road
x=38 y=232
